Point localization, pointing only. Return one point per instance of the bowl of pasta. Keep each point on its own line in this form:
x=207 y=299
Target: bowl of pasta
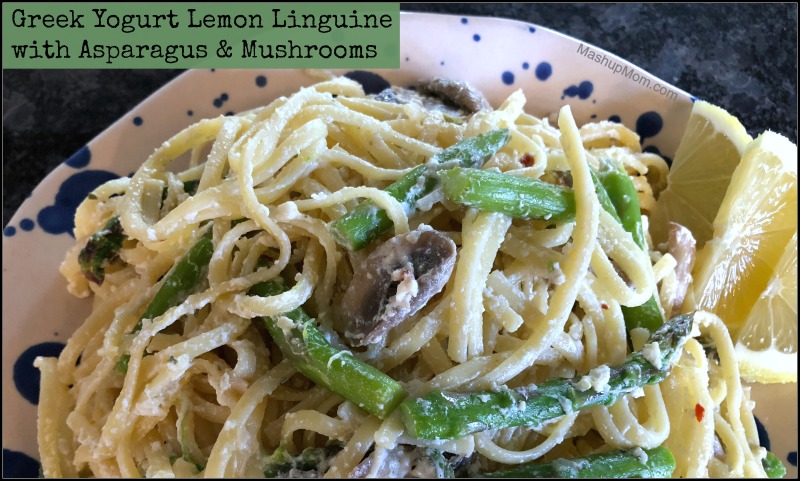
x=434 y=271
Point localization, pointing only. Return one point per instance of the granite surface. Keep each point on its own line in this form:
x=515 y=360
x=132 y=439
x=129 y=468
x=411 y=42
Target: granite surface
x=742 y=57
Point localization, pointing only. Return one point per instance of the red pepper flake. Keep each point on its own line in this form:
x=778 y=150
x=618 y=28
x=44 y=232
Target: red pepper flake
x=698 y=412
x=527 y=159
x=604 y=305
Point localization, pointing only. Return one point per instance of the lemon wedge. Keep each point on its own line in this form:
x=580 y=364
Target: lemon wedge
x=755 y=222
x=701 y=170
x=767 y=343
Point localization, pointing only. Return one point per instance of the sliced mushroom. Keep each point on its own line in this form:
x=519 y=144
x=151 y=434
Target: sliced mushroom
x=384 y=463
x=455 y=93
x=405 y=461
x=396 y=281
x=681 y=245
x=451 y=97
x=400 y=95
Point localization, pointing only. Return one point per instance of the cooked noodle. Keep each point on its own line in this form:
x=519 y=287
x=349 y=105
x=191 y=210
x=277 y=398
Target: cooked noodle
x=527 y=301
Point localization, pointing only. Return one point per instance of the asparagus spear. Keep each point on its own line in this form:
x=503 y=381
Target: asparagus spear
x=434 y=462
x=366 y=222
x=312 y=462
x=613 y=464
x=189 y=449
x=647 y=315
x=190 y=186
x=300 y=341
x=517 y=196
x=449 y=415
x=122 y=364
x=602 y=196
x=626 y=202
x=623 y=196
x=514 y=196
x=534 y=199
x=181 y=281
x=101 y=249
x=773 y=466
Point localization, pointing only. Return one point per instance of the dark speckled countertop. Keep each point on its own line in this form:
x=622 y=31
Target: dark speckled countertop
x=742 y=57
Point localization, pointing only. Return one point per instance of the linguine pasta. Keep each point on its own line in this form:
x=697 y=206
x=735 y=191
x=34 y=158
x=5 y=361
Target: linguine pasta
x=206 y=391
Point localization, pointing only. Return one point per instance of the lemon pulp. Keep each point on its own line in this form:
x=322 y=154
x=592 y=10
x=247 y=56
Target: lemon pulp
x=701 y=170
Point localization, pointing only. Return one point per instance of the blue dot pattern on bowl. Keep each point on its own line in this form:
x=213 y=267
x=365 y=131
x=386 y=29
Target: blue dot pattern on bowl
x=19 y=465
x=649 y=124
x=372 y=83
x=137 y=121
x=655 y=150
x=507 y=77
x=583 y=90
x=763 y=435
x=261 y=81
x=792 y=458
x=80 y=159
x=476 y=37
x=543 y=71
x=59 y=218
x=10 y=231
x=219 y=101
x=27 y=224
x=652 y=149
x=525 y=65
x=26 y=376
x=615 y=118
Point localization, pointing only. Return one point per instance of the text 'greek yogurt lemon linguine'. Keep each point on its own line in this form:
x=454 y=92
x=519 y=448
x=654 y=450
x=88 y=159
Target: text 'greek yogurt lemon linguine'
x=402 y=284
